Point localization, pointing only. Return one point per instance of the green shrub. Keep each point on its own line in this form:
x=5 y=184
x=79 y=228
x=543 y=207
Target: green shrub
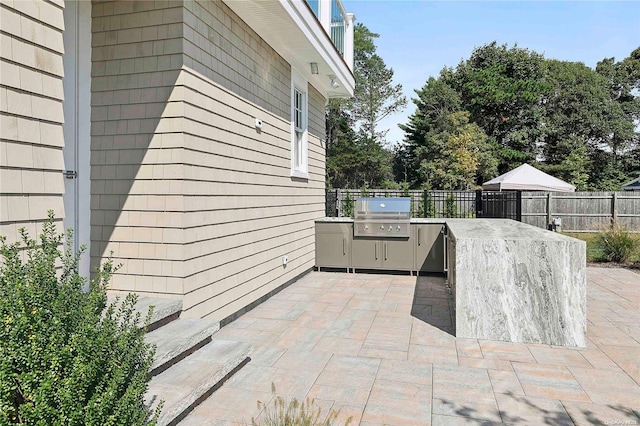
x=450 y=206
x=64 y=358
x=294 y=413
x=617 y=244
x=428 y=208
x=347 y=205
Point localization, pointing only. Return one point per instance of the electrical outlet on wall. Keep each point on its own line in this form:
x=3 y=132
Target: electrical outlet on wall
x=285 y=259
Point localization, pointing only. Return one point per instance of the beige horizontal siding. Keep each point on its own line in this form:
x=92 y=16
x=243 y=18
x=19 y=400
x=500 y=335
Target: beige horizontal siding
x=31 y=94
x=259 y=285
x=230 y=247
x=243 y=211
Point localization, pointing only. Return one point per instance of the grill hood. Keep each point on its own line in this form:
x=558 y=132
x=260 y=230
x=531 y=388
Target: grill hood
x=388 y=217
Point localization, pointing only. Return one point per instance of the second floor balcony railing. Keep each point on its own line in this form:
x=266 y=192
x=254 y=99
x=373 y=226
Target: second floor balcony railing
x=337 y=23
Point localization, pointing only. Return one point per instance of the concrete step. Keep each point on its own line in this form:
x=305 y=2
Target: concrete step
x=164 y=310
x=195 y=378
x=177 y=340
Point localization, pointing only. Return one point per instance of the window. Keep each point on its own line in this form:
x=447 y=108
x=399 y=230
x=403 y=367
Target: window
x=299 y=136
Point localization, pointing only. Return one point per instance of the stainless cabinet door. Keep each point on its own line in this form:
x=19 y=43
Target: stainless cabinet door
x=429 y=248
x=366 y=253
x=333 y=245
x=397 y=254
x=332 y=251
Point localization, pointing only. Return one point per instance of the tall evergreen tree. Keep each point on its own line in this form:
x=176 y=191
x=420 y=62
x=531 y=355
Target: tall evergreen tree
x=376 y=97
x=356 y=155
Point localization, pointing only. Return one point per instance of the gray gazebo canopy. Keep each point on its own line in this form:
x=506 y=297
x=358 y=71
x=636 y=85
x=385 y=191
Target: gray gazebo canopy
x=527 y=178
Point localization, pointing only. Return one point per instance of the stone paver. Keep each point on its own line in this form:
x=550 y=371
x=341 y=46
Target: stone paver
x=381 y=349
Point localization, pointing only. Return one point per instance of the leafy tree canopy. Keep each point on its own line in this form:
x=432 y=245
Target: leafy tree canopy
x=572 y=121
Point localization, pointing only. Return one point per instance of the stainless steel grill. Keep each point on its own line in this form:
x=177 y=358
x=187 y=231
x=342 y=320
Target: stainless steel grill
x=382 y=217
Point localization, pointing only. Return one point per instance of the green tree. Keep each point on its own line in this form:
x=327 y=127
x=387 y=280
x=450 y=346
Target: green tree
x=353 y=159
x=502 y=88
x=576 y=113
x=620 y=143
x=376 y=97
x=343 y=160
x=454 y=155
x=356 y=153
x=574 y=122
x=435 y=102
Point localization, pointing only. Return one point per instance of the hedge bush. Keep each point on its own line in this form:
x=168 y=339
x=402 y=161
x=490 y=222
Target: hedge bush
x=66 y=358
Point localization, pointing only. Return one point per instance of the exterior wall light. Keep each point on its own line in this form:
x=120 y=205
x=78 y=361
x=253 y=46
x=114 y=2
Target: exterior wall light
x=334 y=83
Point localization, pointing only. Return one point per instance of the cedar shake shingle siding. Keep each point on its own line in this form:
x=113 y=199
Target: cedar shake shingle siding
x=31 y=94
x=193 y=200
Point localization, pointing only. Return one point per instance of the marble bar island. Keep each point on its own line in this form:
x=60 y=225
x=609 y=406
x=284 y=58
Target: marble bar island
x=517 y=283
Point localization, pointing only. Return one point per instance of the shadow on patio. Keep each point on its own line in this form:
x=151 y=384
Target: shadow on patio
x=434 y=304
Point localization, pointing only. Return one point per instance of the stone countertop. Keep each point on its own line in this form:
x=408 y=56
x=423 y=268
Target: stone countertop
x=428 y=220
x=350 y=220
x=504 y=229
x=334 y=220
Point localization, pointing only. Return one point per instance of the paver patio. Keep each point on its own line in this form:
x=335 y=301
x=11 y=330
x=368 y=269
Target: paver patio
x=380 y=349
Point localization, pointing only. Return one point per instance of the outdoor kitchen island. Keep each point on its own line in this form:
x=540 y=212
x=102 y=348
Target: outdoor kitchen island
x=511 y=281
x=517 y=283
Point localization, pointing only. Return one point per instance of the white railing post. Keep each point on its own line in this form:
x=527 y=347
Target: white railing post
x=348 y=39
x=324 y=15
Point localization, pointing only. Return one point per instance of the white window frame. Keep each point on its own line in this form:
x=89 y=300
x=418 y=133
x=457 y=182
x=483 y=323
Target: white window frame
x=300 y=133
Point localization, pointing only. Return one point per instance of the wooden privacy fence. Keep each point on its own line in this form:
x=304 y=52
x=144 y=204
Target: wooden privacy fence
x=578 y=211
x=582 y=211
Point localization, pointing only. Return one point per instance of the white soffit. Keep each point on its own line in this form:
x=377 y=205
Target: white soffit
x=293 y=31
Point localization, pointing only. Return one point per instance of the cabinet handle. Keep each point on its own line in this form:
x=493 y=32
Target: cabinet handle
x=445 y=253
x=418 y=236
x=376 y=250
x=385 y=251
x=343 y=246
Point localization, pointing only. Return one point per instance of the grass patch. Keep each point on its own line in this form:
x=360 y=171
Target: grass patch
x=595 y=252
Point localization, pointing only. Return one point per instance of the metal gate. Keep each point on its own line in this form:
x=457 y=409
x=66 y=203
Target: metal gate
x=494 y=204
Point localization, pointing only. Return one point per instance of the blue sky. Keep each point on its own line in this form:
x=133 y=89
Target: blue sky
x=418 y=38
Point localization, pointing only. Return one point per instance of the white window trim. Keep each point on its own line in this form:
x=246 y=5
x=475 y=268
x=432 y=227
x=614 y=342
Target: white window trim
x=300 y=83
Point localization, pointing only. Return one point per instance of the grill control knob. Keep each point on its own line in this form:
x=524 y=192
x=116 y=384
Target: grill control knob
x=382 y=227
x=398 y=228
x=390 y=228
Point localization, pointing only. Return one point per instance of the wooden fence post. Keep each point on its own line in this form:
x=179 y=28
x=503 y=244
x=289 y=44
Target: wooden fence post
x=614 y=208
x=549 y=198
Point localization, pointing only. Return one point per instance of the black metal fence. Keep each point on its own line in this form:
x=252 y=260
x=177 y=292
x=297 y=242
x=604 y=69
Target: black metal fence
x=436 y=204
x=507 y=204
